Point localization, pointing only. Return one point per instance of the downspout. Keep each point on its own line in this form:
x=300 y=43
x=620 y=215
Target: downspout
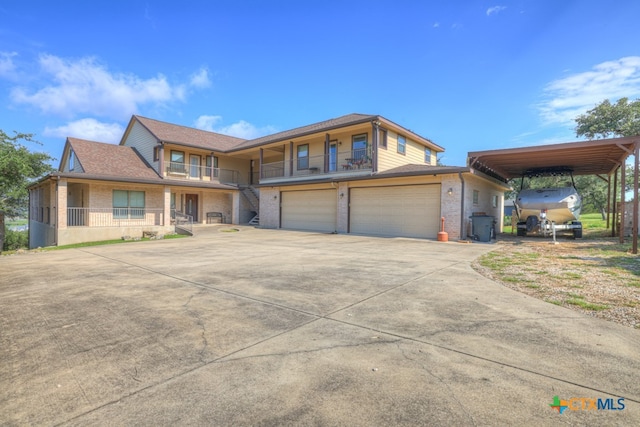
x=462 y=231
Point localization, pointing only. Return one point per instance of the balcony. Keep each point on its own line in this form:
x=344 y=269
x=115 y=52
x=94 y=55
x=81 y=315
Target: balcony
x=176 y=170
x=354 y=162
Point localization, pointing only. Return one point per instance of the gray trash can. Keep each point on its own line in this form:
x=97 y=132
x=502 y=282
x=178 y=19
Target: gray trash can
x=482 y=227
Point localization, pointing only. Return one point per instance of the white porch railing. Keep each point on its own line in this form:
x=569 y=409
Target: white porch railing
x=177 y=170
x=114 y=217
x=339 y=162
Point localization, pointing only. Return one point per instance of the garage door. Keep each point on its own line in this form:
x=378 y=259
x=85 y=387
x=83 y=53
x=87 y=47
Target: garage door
x=314 y=210
x=408 y=211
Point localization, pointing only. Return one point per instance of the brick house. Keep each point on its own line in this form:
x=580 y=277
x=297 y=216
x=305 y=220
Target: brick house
x=361 y=174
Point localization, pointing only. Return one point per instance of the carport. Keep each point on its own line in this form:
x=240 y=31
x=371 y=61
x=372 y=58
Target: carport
x=603 y=158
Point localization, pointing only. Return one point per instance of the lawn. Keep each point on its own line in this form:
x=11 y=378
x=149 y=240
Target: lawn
x=595 y=275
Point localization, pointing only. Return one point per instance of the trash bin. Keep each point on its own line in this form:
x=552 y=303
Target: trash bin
x=482 y=227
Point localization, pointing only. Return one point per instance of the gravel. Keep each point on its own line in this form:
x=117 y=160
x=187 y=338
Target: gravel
x=598 y=277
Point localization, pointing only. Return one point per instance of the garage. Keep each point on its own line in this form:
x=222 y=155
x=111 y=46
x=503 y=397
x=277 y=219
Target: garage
x=403 y=211
x=313 y=210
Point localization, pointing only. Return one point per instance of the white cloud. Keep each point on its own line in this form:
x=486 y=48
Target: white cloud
x=240 y=129
x=571 y=96
x=7 y=67
x=200 y=79
x=495 y=9
x=88 y=128
x=436 y=25
x=85 y=86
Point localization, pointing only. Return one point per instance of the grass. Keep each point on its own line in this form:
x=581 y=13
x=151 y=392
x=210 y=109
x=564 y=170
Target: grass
x=580 y=302
x=16 y=222
x=99 y=243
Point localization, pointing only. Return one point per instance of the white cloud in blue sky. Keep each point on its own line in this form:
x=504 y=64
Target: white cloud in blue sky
x=88 y=128
x=574 y=94
x=200 y=79
x=240 y=129
x=495 y=9
x=85 y=86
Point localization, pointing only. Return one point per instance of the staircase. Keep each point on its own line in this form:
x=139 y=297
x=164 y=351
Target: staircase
x=252 y=195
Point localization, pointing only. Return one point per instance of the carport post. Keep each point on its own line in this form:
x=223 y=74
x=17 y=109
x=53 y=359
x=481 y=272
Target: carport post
x=636 y=151
x=623 y=171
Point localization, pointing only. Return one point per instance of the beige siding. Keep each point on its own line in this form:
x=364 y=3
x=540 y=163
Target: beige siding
x=140 y=139
x=390 y=158
x=243 y=166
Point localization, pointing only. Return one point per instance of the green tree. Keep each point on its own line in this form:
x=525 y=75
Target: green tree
x=608 y=120
x=18 y=167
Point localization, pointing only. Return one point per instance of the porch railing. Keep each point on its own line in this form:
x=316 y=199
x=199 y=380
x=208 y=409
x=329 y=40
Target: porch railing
x=202 y=173
x=338 y=162
x=114 y=217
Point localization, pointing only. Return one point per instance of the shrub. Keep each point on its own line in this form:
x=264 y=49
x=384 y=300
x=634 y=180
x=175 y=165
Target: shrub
x=14 y=240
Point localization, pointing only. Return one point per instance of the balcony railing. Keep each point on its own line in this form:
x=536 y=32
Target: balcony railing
x=339 y=162
x=202 y=173
x=114 y=217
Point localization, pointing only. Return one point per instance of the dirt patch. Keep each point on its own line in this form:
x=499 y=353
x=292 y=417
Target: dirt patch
x=598 y=277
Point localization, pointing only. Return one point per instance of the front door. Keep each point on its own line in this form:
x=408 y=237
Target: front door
x=191 y=208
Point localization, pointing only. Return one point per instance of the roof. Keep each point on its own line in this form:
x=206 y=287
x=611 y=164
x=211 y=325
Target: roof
x=182 y=135
x=597 y=157
x=122 y=161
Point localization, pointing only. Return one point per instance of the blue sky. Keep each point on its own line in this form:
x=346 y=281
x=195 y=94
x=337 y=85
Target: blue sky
x=469 y=75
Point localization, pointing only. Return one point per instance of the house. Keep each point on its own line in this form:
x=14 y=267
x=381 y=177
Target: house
x=357 y=173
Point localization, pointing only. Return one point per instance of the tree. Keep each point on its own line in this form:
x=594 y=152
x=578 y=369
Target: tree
x=607 y=120
x=18 y=167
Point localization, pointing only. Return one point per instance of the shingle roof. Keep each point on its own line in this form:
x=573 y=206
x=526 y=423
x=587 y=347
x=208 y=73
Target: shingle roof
x=182 y=135
x=99 y=158
x=349 y=119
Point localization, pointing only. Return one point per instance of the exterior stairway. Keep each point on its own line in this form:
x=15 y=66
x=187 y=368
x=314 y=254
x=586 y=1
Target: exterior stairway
x=252 y=195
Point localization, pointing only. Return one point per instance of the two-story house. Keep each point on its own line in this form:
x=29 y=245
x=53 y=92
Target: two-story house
x=357 y=173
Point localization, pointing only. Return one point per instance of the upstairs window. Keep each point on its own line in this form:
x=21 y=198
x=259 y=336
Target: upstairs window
x=177 y=162
x=72 y=160
x=402 y=144
x=303 y=156
x=427 y=156
x=359 y=147
x=156 y=153
x=382 y=138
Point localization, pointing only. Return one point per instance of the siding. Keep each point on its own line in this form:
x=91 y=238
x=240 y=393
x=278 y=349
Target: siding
x=140 y=139
x=390 y=158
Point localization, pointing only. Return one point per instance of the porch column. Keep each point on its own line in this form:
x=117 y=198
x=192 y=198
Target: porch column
x=166 y=216
x=634 y=230
x=235 y=207
x=61 y=204
x=291 y=158
x=326 y=152
x=161 y=159
x=262 y=163
x=623 y=172
x=374 y=143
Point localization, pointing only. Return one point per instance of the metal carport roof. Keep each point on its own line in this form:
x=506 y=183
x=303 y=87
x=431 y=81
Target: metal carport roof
x=600 y=157
x=597 y=157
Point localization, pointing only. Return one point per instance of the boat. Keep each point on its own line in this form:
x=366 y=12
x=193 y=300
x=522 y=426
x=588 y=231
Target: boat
x=561 y=204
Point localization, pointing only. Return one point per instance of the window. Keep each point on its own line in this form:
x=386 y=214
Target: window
x=72 y=160
x=207 y=166
x=402 y=144
x=382 y=138
x=494 y=201
x=476 y=197
x=427 y=156
x=156 y=153
x=177 y=162
x=194 y=166
x=359 y=147
x=128 y=204
x=303 y=156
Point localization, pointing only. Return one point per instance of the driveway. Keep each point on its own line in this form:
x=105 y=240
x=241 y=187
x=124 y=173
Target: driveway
x=270 y=327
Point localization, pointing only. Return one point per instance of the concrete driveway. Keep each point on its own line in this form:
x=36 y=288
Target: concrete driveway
x=266 y=327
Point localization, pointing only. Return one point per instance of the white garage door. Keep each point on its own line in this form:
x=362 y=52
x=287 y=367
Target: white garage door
x=314 y=210
x=407 y=211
